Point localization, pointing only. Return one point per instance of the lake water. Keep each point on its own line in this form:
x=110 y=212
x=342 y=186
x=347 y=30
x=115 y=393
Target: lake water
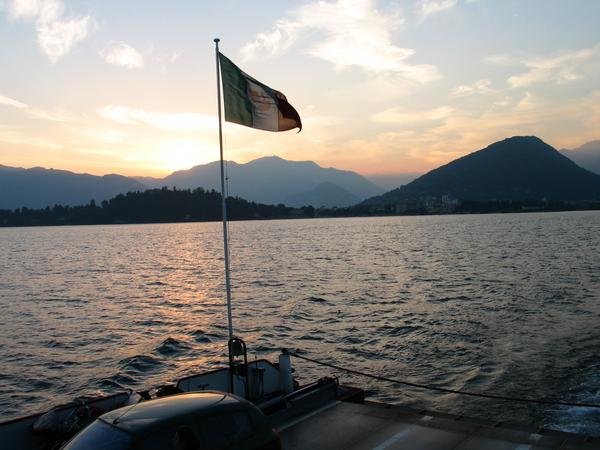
x=504 y=304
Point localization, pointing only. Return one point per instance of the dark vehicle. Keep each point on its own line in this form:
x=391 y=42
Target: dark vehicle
x=216 y=420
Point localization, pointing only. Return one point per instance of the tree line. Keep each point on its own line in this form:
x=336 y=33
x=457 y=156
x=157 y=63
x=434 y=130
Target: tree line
x=200 y=205
x=151 y=206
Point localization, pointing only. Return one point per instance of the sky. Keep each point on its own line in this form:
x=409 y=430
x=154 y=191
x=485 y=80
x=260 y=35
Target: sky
x=382 y=87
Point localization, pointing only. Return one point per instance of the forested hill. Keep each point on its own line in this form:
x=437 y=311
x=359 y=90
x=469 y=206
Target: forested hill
x=515 y=169
x=155 y=205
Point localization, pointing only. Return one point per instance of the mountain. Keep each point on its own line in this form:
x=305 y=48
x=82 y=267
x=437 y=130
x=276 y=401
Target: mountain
x=517 y=168
x=6 y=169
x=269 y=180
x=274 y=180
x=38 y=187
x=324 y=194
x=149 y=181
x=394 y=180
x=586 y=156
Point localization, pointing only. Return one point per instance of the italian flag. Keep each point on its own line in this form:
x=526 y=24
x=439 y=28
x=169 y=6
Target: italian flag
x=253 y=104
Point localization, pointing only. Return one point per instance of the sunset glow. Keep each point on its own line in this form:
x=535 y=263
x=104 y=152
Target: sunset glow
x=382 y=87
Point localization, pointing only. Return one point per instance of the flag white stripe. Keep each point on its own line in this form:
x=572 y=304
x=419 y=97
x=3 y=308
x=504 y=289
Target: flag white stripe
x=265 y=114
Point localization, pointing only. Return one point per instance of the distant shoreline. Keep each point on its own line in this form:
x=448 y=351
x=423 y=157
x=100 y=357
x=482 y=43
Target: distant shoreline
x=317 y=216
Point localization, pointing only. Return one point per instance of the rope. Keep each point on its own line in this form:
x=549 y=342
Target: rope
x=440 y=389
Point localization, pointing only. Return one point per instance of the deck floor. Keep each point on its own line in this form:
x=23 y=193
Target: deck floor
x=342 y=425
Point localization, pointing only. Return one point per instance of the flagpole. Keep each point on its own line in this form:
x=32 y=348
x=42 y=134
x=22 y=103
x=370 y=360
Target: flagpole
x=223 y=198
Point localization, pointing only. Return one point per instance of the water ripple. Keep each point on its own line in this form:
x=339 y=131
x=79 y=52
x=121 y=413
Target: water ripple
x=507 y=304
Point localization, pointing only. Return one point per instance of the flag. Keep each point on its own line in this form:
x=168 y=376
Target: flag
x=253 y=104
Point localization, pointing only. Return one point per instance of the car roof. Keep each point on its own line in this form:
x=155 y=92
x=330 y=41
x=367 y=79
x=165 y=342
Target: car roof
x=146 y=416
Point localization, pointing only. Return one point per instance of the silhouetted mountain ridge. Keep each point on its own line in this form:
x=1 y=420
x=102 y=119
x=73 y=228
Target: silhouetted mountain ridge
x=517 y=168
x=38 y=187
x=273 y=180
x=586 y=156
x=268 y=180
x=325 y=194
x=393 y=180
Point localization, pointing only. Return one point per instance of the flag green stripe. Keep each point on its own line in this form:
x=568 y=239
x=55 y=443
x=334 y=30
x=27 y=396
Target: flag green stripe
x=238 y=108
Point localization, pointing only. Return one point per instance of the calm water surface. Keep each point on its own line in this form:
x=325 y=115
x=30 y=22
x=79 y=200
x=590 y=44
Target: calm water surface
x=505 y=304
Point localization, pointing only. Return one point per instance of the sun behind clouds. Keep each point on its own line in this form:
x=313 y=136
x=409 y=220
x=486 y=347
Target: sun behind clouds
x=184 y=154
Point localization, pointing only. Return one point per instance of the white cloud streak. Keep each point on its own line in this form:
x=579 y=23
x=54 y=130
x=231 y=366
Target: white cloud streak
x=401 y=116
x=478 y=87
x=123 y=55
x=16 y=136
x=57 y=115
x=355 y=33
x=429 y=7
x=57 y=33
x=446 y=133
x=500 y=60
x=183 y=121
x=166 y=59
x=560 y=69
x=12 y=102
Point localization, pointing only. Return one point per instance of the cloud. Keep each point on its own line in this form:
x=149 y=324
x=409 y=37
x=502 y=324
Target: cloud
x=456 y=132
x=401 y=116
x=16 y=136
x=183 y=121
x=175 y=56
x=564 y=68
x=478 y=87
x=428 y=7
x=56 y=115
x=57 y=34
x=28 y=9
x=501 y=60
x=355 y=34
x=284 y=34
x=123 y=55
x=164 y=59
x=12 y=102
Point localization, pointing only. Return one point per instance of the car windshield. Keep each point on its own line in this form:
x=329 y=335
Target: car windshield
x=100 y=436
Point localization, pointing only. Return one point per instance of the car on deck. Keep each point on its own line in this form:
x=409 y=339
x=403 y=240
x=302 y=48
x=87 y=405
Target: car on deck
x=204 y=420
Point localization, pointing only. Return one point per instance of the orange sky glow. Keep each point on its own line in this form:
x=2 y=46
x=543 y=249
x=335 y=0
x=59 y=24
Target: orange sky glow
x=382 y=87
